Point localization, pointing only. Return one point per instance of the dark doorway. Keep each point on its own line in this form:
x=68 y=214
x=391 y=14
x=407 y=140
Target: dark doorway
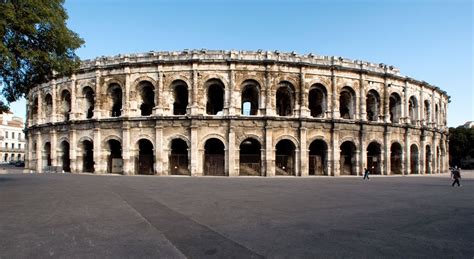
x=373 y=105
x=374 y=158
x=88 y=156
x=285 y=158
x=180 y=99
x=115 y=92
x=250 y=161
x=396 y=158
x=88 y=94
x=347 y=103
x=148 y=98
x=47 y=154
x=347 y=158
x=65 y=156
x=249 y=99
x=428 y=160
x=318 y=158
x=317 y=100
x=285 y=99
x=395 y=108
x=66 y=104
x=179 y=158
x=215 y=99
x=214 y=157
x=414 y=159
x=115 y=161
x=145 y=159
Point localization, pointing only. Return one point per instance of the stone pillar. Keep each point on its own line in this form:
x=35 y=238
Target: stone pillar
x=362 y=150
x=194 y=107
x=100 y=160
x=362 y=96
x=126 y=149
x=54 y=112
x=334 y=100
x=28 y=151
x=407 y=158
x=357 y=162
x=39 y=153
x=405 y=104
x=304 y=110
x=159 y=91
x=195 y=170
x=269 y=151
x=54 y=148
x=97 y=96
x=269 y=111
x=73 y=152
x=40 y=108
x=304 y=150
x=73 y=113
x=386 y=152
x=126 y=109
x=229 y=103
x=232 y=153
x=159 y=146
x=335 y=155
x=386 y=102
x=422 y=154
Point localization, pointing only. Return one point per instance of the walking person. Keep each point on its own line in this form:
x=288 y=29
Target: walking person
x=366 y=173
x=456 y=174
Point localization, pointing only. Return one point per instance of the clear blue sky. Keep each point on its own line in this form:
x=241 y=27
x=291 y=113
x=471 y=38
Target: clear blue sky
x=427 y=40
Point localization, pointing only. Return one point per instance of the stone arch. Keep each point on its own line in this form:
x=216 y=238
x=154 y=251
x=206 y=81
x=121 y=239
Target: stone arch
x=213 y=135
x=86 y=145
x=427 y=111
x=396 y=156
x=250 y=96
x=414 y=159
x=249 y=78
x=65 y=100
x=48 y=105
x=114 y=147
x=179 y=155
x=374 y=157
x=428 y=155
x=178 y=136
x=88 y=94
x=145 y=159
x=34 y=108
x=413 y=110
x=215 y=96
x=143 y=136
x=395 y=107
x=64 y=154
x=318 y=157
x=348 y=158
x=146 y=93
x=46 y=156
x=249 y=135
x=180 y=96
x=285 y=98
x=114 y=100
x=214 y=157
x=317 y=100
x=288 y=137
x=436 y=114
x=250 y=158
x=373 y=105
x=347 y=103
x=110 y=137
x=285 y=157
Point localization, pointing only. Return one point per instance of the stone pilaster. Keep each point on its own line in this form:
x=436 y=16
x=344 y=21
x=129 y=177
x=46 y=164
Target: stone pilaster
x=73 y=114
x=304 y=150
x=269 y=151
x=73 y=152
x=126 y=150
x=334 y=100
x=159 y=91
x=194 y=107
x=195 y=169
x=386 y=169
x=54 y=149
x=97 y=95
x=99 y=159
x=127 y=111
x=304 y=110
x=362 y=97
x=159 y=156
x=335 y=154
x=232 y=154
x=39 y=153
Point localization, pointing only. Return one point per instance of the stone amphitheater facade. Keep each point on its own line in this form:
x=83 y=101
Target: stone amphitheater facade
x=231 y=113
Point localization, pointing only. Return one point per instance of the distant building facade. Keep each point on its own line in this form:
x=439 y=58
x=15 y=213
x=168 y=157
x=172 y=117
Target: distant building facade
x=12 y=138
x=469 y=125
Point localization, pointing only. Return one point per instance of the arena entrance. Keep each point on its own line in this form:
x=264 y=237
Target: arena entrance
x=87 y=156
x=215 y=98
x=318 y=158
x=114 y=160
x=47 y=154
x=179 y=158
x=214 y=158
x=145 y=160
x=285 y=158
x=347 y=158
x=250 y=158
x=428 y=160
x=396 y=158
x=414 y=160
x=180 y=98
x=374 y=158
x=65 y=156
x=147 y=96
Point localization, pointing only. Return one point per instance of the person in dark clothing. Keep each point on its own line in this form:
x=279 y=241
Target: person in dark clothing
x=366 y=173
x=456 y=174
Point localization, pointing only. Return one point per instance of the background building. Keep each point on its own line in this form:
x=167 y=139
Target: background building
x=12 y=138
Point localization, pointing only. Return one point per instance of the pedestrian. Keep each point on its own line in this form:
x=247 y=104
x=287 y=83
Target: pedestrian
x=456 y=174
x=366 y=173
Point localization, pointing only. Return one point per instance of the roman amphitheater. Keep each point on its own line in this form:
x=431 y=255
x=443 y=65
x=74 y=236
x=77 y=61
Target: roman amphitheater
x=236 y=113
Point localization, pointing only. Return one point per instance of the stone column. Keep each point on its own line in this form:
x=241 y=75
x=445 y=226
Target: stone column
x=126 y=148
x=54 y=112
x=232 y=153
x=194 y=107
x=54 y=148
x=269 y=151
x=405 y=103
x=97 y=96
x=127 y=111
x=159 y=146
x=73 y=113
x=269 y=111
x=357 y=162
x=100 y=161
x=363 y=104
x=40 y=119
x=159 y=91
x=334 y=100
x=407 y=158
x=422 y=154
x=335 y=155
x=304 y=150
x=195 y=170
x=28 y=151
x=386 y=102
x=304 y=110
x=362 y=150
x=39 y=153
x=386 y=152
x=73 y=152
x=229 y=104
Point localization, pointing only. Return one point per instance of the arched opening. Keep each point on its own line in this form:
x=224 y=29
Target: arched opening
x=317 y=100
x=318 y=150
x=34 y=109
x=285 y=158
x=414 y=159
x=396 y=158
x=47 y=154
x=413 y=110
x=180 y=103
x=347 y=158
x=395 y=107
x=250 y=97
x=438 y=161
x=179 y=164
x=48 y=108
x=250 y=159
x=427 y=111
x=115 y=95
x=65 y=156
x=373 y=105
x=374 y=158
x=87 y=156
x=436 y=114
x=65 y=104
x=147 y=96
x=18 y=157
x=5 y=159
x=214 y=157
x=347 y=103
x=88 y=94
x=428 y=160
x=285 y=96
x=114 y=161
x=145 y=160
x=215 y=97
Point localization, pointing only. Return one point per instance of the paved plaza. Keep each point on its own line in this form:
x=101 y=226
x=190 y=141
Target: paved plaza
x=93 y=216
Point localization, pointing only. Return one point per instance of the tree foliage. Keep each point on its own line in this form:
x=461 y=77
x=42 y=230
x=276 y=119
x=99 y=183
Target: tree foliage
x=35 y=45
x=461 y=146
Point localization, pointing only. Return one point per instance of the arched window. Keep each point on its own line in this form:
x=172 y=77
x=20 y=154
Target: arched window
x=87 y=156
x=428 y=160
x=373 y=105
x=436 y=114
x=318 y=158
x=396 y=158
x=285 y=158
x=145 y=160
x=215 y=97
x=427 y=112
x=180 y=95
x=374 y=158
x=413 y=110
x=65 y=104
x=285 y=97
x=414 y=159
x=395 y=108
x=34 y=109
x=65 y=156
x=250 y=95
x=347 y=158
x=48 y=108
x=147 y=96
x=115 y=100
x=250 y=157
x=88 y=95
x=115 y=162
x=317 y=100
x=179 y=164
x=214 y=162
x=347 y=103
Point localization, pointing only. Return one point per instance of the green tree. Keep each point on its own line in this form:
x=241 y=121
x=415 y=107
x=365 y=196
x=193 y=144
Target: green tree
x=461 y=146
x=35 y=45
